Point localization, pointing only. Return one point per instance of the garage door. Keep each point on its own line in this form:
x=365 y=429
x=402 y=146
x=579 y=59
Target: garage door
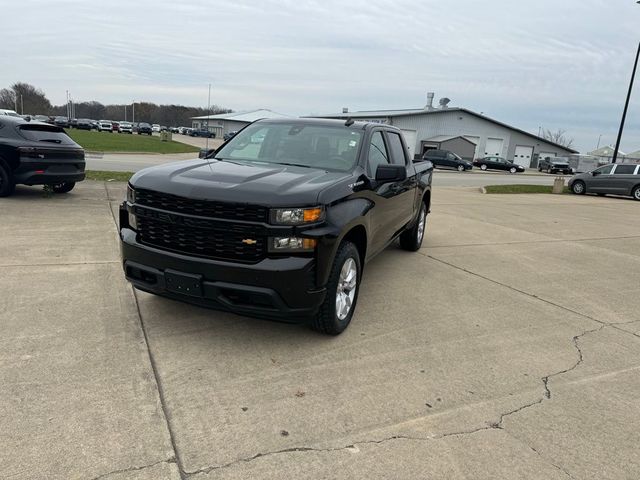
x=523 y=156
x=493 y=147
x=410 y=137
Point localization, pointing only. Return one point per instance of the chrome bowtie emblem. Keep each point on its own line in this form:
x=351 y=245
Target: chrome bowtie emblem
x=249 y=241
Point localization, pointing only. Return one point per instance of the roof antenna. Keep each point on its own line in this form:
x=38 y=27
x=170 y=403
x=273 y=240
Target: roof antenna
x=349 y=122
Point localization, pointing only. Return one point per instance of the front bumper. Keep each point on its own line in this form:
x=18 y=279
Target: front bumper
x=275 y=288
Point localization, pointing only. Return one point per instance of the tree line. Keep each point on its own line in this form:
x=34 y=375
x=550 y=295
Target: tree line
x=30 y=100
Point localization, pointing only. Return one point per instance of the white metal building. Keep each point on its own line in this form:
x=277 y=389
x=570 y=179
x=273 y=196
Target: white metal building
x=232 y=122
x=423 y=128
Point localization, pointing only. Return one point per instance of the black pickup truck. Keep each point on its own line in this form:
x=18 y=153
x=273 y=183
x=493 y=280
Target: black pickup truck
x=278 y=222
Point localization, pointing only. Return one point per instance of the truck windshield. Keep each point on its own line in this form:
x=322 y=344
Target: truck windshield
x=313 y=146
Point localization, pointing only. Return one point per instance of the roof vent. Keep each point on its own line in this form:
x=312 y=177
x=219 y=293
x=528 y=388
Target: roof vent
x=444 y=103
x=345 y=110
x=429 y=105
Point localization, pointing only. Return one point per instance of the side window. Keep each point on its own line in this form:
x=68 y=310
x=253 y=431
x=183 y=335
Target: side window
x=625 y=170
x=451 y=156
x=397 y=150
x=378 y=154
x=606 y=170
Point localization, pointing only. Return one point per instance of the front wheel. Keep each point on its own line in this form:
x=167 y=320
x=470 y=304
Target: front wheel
x=64 y=187
x=461 y=168
x=483 y=167
x=339 y=304
x=411 y=240
x=513 y=170
x=579 y=187
x=636 y=193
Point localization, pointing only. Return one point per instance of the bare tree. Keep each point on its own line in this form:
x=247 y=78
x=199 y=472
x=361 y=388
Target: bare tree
x=558 y=137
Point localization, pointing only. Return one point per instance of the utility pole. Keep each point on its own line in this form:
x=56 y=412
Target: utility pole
x=208 y=115
x=133 y=112
x=626 y=107
x=599 y=138
x=125 y=113
x=21 y=105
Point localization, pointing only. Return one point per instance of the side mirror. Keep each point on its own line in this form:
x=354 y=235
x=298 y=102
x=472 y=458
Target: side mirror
x=595 y=174
x=391 y=173
x=205 y=153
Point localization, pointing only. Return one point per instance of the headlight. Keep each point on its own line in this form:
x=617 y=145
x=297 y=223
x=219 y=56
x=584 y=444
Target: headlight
x=296 y=216
x=131 y=194
x=291 y=244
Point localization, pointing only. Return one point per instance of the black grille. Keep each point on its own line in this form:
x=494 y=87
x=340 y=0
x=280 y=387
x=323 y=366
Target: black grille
x=202 y=208
x=215 y=244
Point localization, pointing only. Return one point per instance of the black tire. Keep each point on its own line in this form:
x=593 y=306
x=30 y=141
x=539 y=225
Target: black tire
x=411 y=240
x=579 y=187
x=461 y=168
x=483 y=167
x=513 y=170
x=64 y=187
x=327 y=320
x=635 y=193
x=7 y=184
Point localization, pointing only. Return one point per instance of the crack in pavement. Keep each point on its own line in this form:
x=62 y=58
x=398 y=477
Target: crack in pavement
x=134 y=469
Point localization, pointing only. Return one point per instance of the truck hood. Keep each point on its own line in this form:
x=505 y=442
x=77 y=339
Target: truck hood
x=225 y=181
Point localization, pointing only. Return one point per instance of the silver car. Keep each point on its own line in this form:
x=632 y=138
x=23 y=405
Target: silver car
x=614 y=179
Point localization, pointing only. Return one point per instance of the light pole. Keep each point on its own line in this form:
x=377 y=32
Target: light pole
x=133 y=112
x=626 y=105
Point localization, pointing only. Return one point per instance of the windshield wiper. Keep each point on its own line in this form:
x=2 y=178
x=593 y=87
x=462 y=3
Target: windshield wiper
x=294 y=164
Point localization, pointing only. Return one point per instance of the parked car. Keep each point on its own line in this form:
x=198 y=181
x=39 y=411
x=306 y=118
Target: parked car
x=228 y=136
x=201 y=132
x=94 y=124
x=187 y=131
x=144 y=129
x=279 y=229
x=555 y=165
x=174 y=130
x=83 y=124
x=155 y=127
x=497 y=163
x=115 y=126
x=35 y=153
x=41 y=118
x=447 y=159
x=62 y=122
x=613 y=179
x=105 y=126
x=125 y=127
x=73 y=123
x=10 y=113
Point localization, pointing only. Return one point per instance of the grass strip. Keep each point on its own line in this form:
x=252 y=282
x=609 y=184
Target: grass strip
x=105 y=176
x=124 y=143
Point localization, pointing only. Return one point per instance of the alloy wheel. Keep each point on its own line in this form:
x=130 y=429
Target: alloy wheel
x=346 y=291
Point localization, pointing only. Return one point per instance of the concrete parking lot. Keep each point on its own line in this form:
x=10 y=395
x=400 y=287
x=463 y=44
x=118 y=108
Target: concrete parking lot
x=508 y=347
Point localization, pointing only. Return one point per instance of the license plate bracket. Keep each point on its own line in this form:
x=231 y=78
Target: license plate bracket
x=183 y=283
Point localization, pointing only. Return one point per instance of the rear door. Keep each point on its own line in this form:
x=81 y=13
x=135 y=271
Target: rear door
x=404 y=191
x=623 y=179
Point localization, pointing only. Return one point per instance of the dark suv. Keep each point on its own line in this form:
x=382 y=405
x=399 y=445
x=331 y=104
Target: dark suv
x=34 y=153
x=555 y=165
x=144 y=129
x=447 y=159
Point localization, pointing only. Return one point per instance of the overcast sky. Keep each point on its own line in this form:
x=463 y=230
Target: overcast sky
x=550 y=63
